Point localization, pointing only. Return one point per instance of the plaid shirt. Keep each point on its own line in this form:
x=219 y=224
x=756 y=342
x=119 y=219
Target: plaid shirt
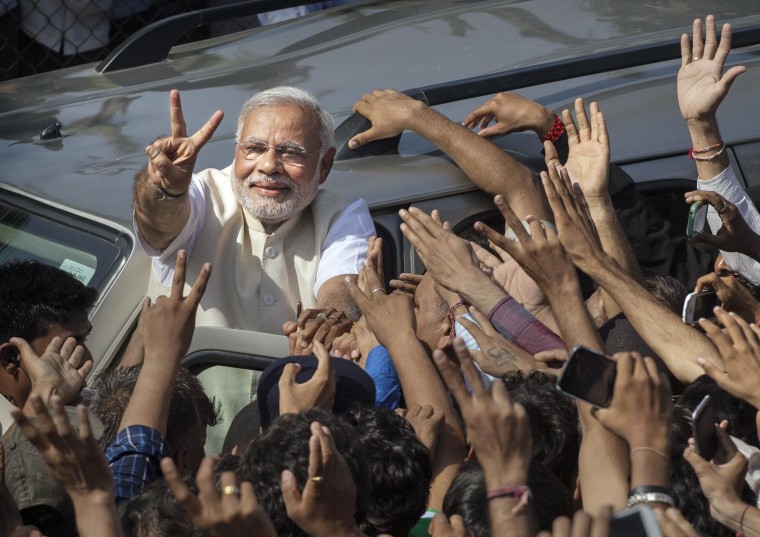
x=134 y=460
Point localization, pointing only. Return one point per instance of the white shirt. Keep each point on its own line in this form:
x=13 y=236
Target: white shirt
x=727 y=185
x=343 y=250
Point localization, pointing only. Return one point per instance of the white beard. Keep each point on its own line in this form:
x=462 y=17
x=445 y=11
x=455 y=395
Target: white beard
x=274 y=209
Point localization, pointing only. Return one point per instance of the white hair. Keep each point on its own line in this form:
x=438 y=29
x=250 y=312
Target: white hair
x=288 y=95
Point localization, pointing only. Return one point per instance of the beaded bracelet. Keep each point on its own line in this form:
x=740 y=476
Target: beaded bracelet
x=720 y=145
x=557 y=130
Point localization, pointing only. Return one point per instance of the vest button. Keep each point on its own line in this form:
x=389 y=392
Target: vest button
x=270 y=252
x=269 y=300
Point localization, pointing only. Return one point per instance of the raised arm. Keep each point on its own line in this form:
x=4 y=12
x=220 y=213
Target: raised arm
x=161 y=204
x=702 y=86
x=488 y=166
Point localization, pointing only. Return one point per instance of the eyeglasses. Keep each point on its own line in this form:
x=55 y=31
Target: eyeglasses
x=287 y=153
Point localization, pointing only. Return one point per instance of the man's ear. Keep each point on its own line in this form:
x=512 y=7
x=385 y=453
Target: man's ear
x=9 y=358
x=325 y=164
x=447 y=336
x=180 y=459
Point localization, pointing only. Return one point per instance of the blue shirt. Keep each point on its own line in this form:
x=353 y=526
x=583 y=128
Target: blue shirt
x=134 y=458
x=387 y=386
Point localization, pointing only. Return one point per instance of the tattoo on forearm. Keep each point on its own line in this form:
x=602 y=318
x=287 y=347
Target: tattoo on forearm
x=501 y=356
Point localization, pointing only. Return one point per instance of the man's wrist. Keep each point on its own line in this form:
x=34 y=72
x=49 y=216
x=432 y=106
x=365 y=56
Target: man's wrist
x=728 y=510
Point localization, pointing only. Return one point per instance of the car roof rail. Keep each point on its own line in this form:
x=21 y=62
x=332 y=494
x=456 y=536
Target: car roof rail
x=521 y=77
x=153 y=43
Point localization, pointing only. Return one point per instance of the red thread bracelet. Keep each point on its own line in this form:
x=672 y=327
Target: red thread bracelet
x=557 y=130
x=518 y=492
x=693 y=151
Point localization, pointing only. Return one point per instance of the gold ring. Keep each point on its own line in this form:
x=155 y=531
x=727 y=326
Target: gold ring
x=378 y=289
x=695 y=59
x=231 y=489
x=317 y=478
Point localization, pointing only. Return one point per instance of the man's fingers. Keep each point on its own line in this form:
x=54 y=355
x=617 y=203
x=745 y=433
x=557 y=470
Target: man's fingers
x=288 y=377
x=550 y=152
x=85 y=369
x=711 y=42
x=178 y=280
x=204 y=134
x=584 y=129
x=452 y=376
x=729 y=76
x=199 y=287
x=177 y=117
x=289 y=491
x=358 y=296
x=60 y=419
x=570 y=128
x=725 y=44
x=29 y=431
x=324 y=363
x=685 y=50
x=204 y=479
x=696 y=46
x=365 y=137
x=180 y=491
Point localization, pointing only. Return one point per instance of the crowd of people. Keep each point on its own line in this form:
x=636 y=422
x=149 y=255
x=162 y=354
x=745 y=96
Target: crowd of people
x=426 y=407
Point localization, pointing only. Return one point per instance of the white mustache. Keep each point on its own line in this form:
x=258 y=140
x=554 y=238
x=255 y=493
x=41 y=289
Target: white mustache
x=278 y=179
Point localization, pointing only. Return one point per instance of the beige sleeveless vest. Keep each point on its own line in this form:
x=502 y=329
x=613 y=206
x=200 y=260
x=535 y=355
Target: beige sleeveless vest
x=257 y=277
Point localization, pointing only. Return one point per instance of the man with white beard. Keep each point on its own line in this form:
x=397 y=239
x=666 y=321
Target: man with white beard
x=273 y=236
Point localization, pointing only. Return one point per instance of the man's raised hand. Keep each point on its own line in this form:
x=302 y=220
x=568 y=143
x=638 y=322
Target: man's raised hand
x=171 y=159
x=702 y=84
x=389 y=112
x=170 y=322
x=588 y=159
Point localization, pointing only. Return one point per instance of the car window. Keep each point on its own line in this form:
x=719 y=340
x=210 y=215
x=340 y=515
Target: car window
x=86 y=250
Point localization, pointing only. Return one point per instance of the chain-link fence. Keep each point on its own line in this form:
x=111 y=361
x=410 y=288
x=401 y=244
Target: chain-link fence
x=42 y=35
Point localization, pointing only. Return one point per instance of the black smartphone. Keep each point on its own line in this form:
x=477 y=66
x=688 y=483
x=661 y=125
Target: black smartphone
x=703 y=429
x=589 y=376
x=699 y=305
x=697 y=219
x=636 y=521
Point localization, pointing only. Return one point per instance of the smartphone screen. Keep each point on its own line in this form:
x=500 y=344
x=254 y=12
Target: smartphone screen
x=697 y=219
x=699 y=305
x=589 y=376
x=638 y=521
x=703 y=429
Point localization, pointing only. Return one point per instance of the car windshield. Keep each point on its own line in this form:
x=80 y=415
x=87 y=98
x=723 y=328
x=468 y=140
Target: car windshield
x=88 y=256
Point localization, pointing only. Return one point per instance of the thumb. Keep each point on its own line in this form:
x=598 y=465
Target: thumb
x=24 y=348
x=493 y=130
x=364 y=138
x=729 y=77
x=289 y=491
x=288 y=377
x=550 y=152
x=700 y=465
x=708 y=239
x=711 y=370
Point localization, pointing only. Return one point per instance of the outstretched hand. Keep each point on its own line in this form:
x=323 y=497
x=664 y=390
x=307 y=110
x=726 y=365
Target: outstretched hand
x=171 y=159
x=170 y=322
x=510 y=112
x=388 y=110
x=233 y=513
x=59 y=370
x=497 y=427
x=73 y=460
x=326 y=506
x=588 y=159
x=739 y=348
x=318 y=391
x=702 y=84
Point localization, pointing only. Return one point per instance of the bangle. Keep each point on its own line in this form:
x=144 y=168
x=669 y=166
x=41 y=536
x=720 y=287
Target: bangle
x=649 y=450
x=557 y=130
x=720 y=146
x=167 y=194
x=518 y=492
x=452 y=309
x=649 y=488
x=740 y=533
x=650 y=497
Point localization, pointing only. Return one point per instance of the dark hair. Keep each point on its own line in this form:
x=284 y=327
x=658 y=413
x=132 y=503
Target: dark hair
x=34 y=296
x=740 y=414
x=155 y=513
x=666 y=289
x=399 y=469
x=285 y=445
x=466 y=497
x=111 y=390
x=553 y=422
